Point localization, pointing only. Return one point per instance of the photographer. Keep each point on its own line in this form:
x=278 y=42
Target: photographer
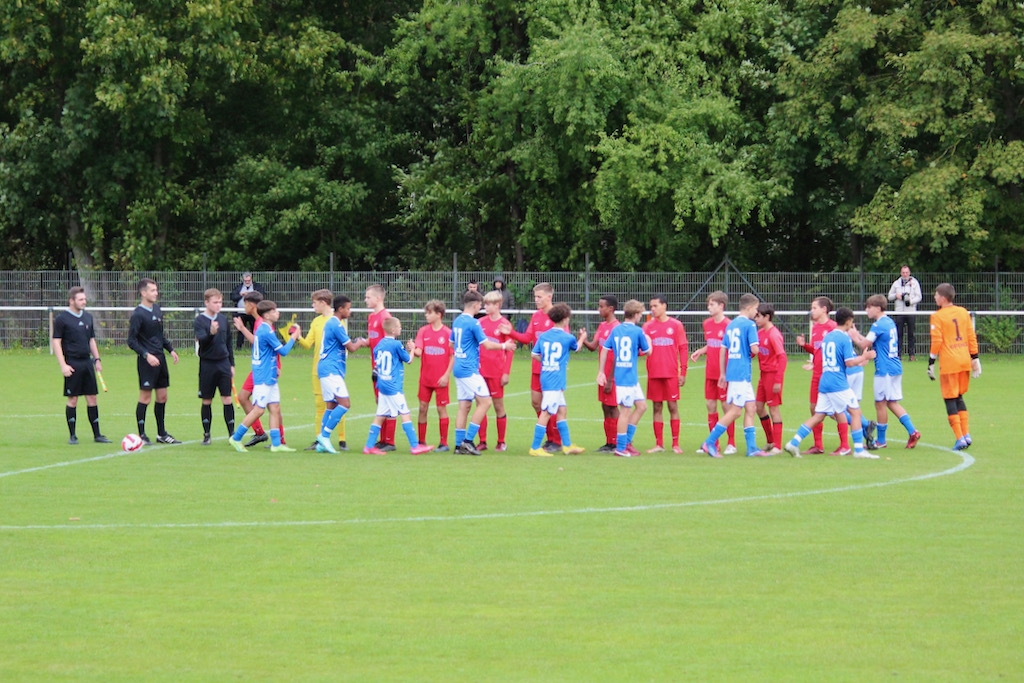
x=906 y=292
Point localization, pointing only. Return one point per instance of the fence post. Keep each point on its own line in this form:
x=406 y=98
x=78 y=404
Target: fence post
x=586 y=279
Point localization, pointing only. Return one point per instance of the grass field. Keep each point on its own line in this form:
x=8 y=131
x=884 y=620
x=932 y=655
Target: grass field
x=191 y=563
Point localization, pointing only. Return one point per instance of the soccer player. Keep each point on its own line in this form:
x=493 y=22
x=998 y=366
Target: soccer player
x=835 y=396
x=216 y=362
x=739 y=347
x=540 y=322
x=251 y=301
x=714 y=332
x=389 y=360
x=74 y=345
x=666 y=370
x=884 y=338
x=146 y=338
x=955 y=346
x=467 y=338
x=495 y=367
x=374 y=300
x=606 y=306
x=321 y=300
x=433 y=346
x=266 y=393
x=821 y=325
x=626 y=343
x=552 y=350
x=331 y=361
x=772 y=361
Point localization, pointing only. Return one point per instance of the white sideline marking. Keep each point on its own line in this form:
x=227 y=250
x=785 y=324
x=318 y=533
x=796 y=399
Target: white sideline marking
x=965 y=461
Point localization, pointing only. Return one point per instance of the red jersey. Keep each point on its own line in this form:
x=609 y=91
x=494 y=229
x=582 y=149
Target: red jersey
x=495 y=362
x=818 y=332
x=437 y=351
x=539 y=324
x=771 y=355
x=604 y=330
x=668 y=348
x=714 y=333
x=375 y=330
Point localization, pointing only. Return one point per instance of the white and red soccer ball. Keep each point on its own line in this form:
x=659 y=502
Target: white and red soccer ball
x=131 y=443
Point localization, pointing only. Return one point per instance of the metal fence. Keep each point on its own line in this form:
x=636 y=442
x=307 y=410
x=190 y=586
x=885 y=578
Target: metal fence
x=27 y=296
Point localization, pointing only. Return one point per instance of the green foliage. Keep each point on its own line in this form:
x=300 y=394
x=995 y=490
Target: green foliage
x=999 y=331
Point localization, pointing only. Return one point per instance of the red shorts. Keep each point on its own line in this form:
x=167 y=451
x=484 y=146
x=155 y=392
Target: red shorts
x=764 y=389
x=495 y=386
x=607 y=398
x=247 y=385
x=712 y=391
x=535 y=382
x=442 y=395
x=662 y=389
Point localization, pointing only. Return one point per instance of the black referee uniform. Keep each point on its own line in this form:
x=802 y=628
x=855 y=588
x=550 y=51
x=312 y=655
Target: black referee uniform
x=216 y=358
x=146 y=337
x=75 y=332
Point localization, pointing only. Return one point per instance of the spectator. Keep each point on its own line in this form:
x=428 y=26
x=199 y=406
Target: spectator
x=244 y=287
x=906 y=292
x=507 y=302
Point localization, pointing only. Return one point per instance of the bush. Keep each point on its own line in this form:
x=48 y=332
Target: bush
x=999 y=331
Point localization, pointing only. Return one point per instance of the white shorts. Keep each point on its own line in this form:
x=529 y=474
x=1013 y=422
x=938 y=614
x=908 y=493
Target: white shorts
x=856 y=382
x=551 y=401
x=888 y=387
x=836 y=402
x=333 y=387
x=627 y=396
x=392 y=406
x=468 y=388
x=265 y=394
x=739 y=393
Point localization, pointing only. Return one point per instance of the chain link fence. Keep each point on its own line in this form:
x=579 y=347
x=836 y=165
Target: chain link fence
x=31 y=297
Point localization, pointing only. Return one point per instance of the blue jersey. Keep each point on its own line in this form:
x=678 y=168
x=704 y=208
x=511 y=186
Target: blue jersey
x=389 y=359
x=625 y=343
x=836 y=347
x=553 y=349
x=856 y=369
x=740 y=335
x=467 y=335
x=333 y=356
x=887 y=347
x=265 y=352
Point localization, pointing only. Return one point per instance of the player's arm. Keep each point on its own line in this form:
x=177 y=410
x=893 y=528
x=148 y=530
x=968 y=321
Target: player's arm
x=58 y=350
x=132 y=339
x=591 y=344
x=602 y=379
x=684 y=352
x=307 y=341
x=442 y=381
x=723 y=358
x=779 y=350
x=859 y=340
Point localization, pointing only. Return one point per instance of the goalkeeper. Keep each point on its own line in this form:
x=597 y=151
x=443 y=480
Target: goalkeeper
x=955 y=346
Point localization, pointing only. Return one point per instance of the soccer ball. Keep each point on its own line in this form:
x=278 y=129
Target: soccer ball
x=131 y=443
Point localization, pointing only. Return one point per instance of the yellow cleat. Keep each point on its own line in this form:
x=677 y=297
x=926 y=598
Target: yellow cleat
x=237 y=445
x=282 y=449
x=573 y=450
x=540 y=453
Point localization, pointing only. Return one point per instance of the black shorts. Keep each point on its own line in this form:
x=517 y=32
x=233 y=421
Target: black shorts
x=214 y=376
x=82 y=381
x=153 y=378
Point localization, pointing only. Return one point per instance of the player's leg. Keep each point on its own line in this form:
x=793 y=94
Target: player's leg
x=372 y=446
x=761 y=408
x=657 y=419
x=793 y=445
x=442 y=400
x=563 y=429
x=674 y=423
x=483 y=404
x=539 y=431
x=501 y=420
x=818 y=431
x=750 y=427
x=776 y=414
x=71 y=417
x=965 y=384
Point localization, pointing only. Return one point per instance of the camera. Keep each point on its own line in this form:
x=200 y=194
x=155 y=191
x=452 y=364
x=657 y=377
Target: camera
x=906 y=299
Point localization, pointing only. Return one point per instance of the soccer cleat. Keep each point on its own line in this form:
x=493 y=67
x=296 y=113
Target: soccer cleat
x=99 y=438
x=677 y=450
x=967 y=438
x=793 y=449
x=879 y=445
x=443 y=448
x=552 y=447
x=257 y=439
x=869 y=435
x=757 y=454
x=623 y=454
x=730 y=449
x=541 y=453
x=324 y=442
x=283 y=448
x=711 y=449
x=482 y=447
x=961 y=444
x=632 y=450
x=207 y=440
x=656 y=449
x=145 y=440
x=237 y=445
x=840 y=451
x=573 y=450
x=468 y=448
x=813 y=450
x=607 y=448
x=342 y=445
x=422 y=448
x=373 y=450
x=387 y=447
x=865 y=455
x=773 y=451
x=73 y=440
x=312 y=447
x=916 y=436
x=501 y=447
x=166 y=438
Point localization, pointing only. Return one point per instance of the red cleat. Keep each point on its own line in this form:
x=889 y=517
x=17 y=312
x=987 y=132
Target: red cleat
x=421 y=449
x=632 y=451
x=913 y=439
x=814 y=450
x=373 y=450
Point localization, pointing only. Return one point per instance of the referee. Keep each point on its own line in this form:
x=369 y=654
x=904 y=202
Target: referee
x=216 y=361
x=74 y=344
x=146 y=338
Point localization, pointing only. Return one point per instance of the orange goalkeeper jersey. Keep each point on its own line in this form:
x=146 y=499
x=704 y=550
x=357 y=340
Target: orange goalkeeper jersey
x=953 y=339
